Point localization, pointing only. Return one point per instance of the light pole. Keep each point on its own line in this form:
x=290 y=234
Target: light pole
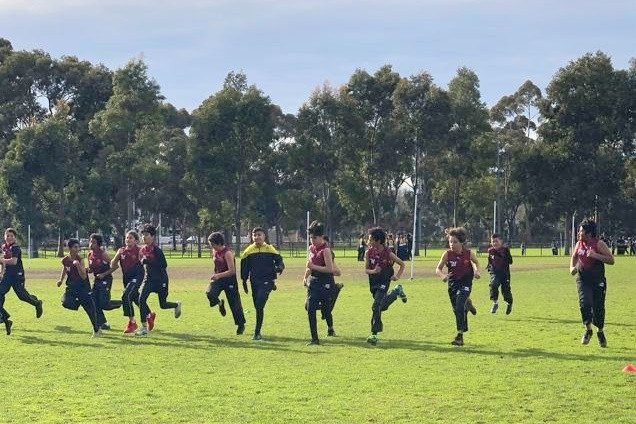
x=497 y=223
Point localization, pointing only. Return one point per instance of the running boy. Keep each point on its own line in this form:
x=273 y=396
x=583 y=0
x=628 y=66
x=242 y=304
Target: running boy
x=321 y=284
x=379 y=267
x=260 y=262
x=98 y=263
x=462 y=266
x=588 y=264
x=129 y=258
x=155 y=281
x=499 y=261
x=224 y=279
x=78 y=289
x=13 y=277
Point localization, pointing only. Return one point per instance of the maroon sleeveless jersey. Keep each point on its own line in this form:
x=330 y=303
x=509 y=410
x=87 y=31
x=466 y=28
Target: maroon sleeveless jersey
x=220 y=264
x=459 y=264
x=129 y=258
x=379 y=258
x=96 y=262
x=71 y=269
x=588 y=265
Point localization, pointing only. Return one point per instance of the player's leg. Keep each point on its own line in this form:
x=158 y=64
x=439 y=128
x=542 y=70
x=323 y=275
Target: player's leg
x=5 y=286
x=19 y=287
x=214 y=290
x=147 y=318
x=86 y=301
x=495 y=282
x=313 y=304
x=128 y=298
x=506 y=292
x=261 y=296
x=598 y=310
x=234 y=301
x=586 y=297
x=99 y=300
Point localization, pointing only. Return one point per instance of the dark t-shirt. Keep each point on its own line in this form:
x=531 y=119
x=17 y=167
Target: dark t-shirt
x=14 y=272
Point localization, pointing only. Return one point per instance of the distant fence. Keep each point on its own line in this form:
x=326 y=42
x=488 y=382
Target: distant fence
x=341 y=249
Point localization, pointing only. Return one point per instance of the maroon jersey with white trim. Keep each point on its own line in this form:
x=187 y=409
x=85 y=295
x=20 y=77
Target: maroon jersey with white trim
x=71 y=269
x=129 y=258
x=220 y=264
x=97 y=262
x=459 y=264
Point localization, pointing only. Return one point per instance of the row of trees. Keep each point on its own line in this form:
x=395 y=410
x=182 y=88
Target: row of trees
x=85 y=148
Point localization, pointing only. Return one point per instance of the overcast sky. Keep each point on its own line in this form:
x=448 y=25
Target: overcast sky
x=288 y=48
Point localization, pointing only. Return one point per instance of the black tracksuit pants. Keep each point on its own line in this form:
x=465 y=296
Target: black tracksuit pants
x=382 y=299
x=458 y=293
x=78 y=293
x=230 y=287
x=260 y=295
x=592 y=291
x=497 y=280
x=20 y=290
x=320 y=297
x=153 y=286
x=130 y=295
x=102 y=299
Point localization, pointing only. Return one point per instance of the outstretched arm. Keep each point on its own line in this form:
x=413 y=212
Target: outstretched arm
x=440 y=267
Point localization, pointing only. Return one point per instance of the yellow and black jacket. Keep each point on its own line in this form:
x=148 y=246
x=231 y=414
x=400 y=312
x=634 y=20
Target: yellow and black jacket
x=261 y=263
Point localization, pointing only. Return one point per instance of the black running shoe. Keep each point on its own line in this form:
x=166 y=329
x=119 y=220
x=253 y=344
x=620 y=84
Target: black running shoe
x=586 y=337
x=7 y=325
x=508 y=308
x=240 y=329
x=331 y=332
x=458 y=340
x=38 y=309
x=601 y=339
x=313 y=342
x=222 y=308
x=257 y=337
x=105 y=326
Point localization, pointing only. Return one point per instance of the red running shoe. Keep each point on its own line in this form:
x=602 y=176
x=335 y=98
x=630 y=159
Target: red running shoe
x=131 y=327
x=150 y=319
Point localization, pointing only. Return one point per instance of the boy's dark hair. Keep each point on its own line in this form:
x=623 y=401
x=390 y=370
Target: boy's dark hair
x=149 y=229
x=378 y=234
x=99 y=239
x=216 y=238
x=458 y=232
x=589 y=227
x=495 y=236
x=72 y=242
x=134 y=234
x=12 y=231
x=258 y=230
x=316 y=229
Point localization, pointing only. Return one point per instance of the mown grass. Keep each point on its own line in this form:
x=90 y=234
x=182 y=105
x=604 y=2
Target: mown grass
x=527 y=367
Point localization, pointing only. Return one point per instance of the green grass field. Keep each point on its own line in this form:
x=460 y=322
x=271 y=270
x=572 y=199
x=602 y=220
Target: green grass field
x=528 y=367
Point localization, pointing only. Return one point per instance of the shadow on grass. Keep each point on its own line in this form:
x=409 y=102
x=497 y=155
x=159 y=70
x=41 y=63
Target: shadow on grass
x=293 y=344
x=568 y=321
x=516 y=353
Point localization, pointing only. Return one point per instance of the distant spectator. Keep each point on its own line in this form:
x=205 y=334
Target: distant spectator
x=362 y=247
x=523 y=249
x=402 y=248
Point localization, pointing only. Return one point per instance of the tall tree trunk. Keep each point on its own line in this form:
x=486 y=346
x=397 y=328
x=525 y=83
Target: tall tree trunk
x=174 y=234
x=60 y=244
x=60 y=218
x=237 y=215
x=567 y=241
